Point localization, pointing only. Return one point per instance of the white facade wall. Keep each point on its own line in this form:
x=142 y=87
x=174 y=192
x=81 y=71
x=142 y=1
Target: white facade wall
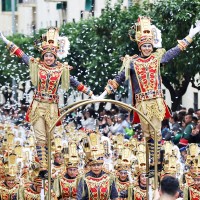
x=25 y=19
x=43 y=13
x=47 y=14
x=187 y=99
x=74 y=8
x=5 y=22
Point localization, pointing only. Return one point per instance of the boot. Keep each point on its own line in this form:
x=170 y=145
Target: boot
x=42 y=153
x=152 y=152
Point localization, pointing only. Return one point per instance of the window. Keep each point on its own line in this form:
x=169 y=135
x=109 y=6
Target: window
x=196 y=100
x=62 y=6
x=89 y=5
x=7 y=5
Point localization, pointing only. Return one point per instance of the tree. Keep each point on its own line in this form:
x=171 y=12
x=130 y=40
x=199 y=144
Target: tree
x=174 y=18
x=98 y=43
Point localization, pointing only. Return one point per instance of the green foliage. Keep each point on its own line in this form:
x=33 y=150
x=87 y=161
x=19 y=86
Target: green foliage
x=97 y=44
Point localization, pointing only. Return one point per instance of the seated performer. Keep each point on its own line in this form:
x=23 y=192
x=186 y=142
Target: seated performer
x=46 y=74
x=96 y=184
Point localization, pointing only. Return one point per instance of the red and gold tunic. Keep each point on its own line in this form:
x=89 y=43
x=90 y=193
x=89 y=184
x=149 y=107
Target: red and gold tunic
x=188 y=179
x=194 y=193
x=146 y=81
x=98 y=188
x=121 y=186
x=139 y=193
x=30 y=194
x=68 y=188
x=46 y=79
x=7 y=193
x=57 y=171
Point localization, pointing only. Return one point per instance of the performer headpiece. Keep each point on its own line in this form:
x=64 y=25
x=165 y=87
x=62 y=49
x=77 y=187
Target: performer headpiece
x=124 y=160
x=10 y=166
x=193 y=160
x=93 y=149
x=50 y=42
x=145 y=33
x=73 y=159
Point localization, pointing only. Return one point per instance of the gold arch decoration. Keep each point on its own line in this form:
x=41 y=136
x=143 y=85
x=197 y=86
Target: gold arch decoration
x=68 y=109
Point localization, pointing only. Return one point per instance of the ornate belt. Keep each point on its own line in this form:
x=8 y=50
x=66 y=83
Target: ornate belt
x=151 y=94
x=45 y=97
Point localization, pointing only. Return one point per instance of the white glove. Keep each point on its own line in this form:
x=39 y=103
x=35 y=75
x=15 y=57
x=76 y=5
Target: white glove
x=93 y=97
x=194 y=31
x=103 y=95
x=3 y=38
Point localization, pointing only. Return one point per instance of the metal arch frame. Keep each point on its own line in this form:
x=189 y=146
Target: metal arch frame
x=127 y=107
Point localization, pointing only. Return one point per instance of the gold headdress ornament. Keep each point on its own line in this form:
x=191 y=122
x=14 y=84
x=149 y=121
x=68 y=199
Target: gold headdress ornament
x=93 y=148
x=141 y=163
x=18 y=149
x=145 y=32
x=11 y=166
x=73 y=157
x=50 y=42
x=124 y=161
x=118 y=141
x=171 y=166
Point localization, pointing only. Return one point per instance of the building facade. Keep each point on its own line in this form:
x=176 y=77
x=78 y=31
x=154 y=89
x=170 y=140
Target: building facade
x=28 y=16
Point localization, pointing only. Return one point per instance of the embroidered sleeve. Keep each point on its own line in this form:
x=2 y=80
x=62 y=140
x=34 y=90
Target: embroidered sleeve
x=80 y=86
x=172 y=53
x=112 y=85
x=15 y=50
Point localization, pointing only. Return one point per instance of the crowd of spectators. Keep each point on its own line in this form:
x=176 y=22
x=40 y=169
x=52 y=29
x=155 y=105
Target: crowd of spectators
x=182 y=128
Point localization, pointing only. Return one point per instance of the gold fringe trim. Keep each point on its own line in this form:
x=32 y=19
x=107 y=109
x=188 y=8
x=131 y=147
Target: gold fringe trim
x=34 y=66
x=126 y=66
x=159 y=53
x=65 y=79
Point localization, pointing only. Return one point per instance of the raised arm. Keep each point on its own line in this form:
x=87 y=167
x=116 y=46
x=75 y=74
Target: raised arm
x=182 y=44
x=14 y=49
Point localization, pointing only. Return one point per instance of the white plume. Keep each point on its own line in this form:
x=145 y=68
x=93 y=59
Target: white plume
x=64 y=46
x=157 y=37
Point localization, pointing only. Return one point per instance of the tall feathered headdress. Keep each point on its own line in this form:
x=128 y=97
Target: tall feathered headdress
x=51 y=42
x=144 y=32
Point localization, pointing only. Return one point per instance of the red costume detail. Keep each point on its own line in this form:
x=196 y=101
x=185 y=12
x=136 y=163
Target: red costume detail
x=68 y=187
x=98 y=188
